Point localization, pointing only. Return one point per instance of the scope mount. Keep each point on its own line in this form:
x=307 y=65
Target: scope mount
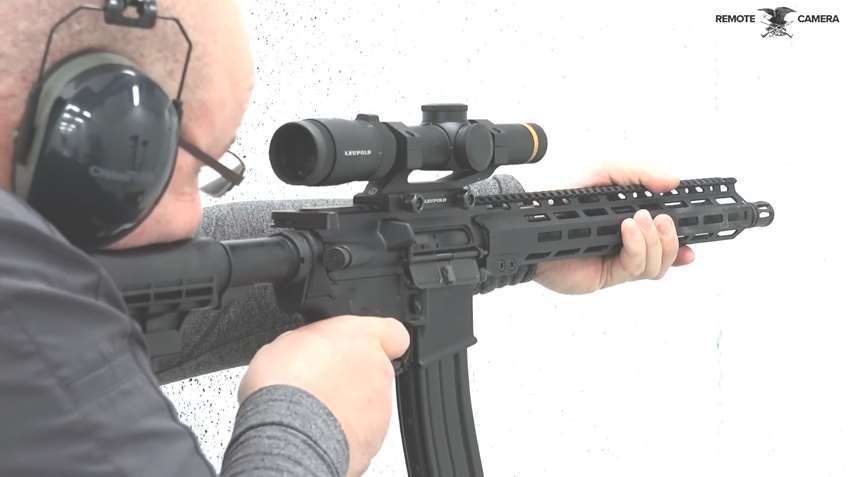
x=395 y=189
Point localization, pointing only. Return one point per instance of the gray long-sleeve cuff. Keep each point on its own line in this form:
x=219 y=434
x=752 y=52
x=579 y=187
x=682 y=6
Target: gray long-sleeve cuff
x=285 y=431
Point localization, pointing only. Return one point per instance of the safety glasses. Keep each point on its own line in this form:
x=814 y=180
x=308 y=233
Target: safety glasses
x=217 y=176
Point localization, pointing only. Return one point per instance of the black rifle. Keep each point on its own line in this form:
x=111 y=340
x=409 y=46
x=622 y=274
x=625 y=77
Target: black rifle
x=418 y=252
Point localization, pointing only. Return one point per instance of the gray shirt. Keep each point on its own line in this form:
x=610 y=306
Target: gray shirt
x=77 y=395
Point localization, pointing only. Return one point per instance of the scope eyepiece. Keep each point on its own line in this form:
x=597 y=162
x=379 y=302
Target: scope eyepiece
x=336 y=151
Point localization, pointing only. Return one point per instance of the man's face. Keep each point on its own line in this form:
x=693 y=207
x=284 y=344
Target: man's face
x=210 y=124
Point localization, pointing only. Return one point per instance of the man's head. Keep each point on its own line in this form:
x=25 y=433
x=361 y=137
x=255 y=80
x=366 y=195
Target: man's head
x=215 y=95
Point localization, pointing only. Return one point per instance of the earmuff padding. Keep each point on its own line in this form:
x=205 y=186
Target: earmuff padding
x=23 y=135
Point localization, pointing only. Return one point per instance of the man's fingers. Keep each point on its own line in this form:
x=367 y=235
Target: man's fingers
x=653 y=247
x=669 y=241
x=626 y=174
x=632 y=256
x=685 y=256
x=389 y=332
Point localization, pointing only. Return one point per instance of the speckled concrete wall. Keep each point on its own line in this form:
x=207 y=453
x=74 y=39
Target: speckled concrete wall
x=732 y=366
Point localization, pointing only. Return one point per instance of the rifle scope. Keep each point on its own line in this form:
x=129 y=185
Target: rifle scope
x=335 y=151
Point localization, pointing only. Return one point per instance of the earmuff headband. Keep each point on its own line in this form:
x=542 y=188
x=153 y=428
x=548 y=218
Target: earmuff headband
x=113 y=14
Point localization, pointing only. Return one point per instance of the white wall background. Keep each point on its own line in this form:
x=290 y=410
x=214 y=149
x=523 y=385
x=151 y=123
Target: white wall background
x=735 y=365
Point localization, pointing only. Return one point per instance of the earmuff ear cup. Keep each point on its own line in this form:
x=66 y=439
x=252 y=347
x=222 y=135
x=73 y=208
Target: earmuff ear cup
x=103 y=149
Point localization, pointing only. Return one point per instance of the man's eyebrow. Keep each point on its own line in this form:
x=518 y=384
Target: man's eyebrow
x=232 y=141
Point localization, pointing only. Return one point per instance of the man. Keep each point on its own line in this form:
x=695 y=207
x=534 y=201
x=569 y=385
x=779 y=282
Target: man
x=77 y=396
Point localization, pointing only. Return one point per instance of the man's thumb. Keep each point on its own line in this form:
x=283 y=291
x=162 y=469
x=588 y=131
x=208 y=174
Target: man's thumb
x=393 y=337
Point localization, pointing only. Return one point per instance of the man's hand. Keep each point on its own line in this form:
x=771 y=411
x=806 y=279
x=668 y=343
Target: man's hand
x=346 y=363
x=649 y=248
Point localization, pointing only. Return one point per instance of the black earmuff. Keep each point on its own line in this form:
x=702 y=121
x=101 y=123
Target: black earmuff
x=97 y=144
x=97 y=148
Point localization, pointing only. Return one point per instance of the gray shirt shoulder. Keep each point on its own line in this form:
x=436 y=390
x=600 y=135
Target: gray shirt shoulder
x=77 y=395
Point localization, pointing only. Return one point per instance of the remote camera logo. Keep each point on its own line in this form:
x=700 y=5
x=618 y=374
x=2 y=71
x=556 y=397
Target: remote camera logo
x=777 y=20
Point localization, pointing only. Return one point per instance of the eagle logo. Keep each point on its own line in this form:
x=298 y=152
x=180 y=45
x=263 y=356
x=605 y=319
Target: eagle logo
x=777 y=23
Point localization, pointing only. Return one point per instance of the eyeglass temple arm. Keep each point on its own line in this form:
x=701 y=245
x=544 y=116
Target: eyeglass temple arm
x=231 y=176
